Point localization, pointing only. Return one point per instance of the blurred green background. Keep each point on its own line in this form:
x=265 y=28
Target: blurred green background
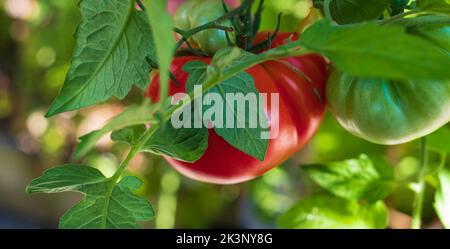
x=36 y=42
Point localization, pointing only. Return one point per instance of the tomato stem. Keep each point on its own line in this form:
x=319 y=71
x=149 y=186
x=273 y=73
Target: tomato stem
x=290 y=50
x=434 y=18
x=421 y=186
x=133 y=151
x=186 y=34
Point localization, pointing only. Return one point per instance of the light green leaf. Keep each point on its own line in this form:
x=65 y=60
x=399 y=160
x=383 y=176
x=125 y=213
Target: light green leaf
x=442 y=6
x=162 y=30
x=442 y=198
x=106 y=204
x=244 y=137
x=353 y=11
x=362 y=178
x=129 y=134
x=439 y=140
x=327 y=212
x=133 y=115
x=112 y=43
x=438 y=35
x=370 y=50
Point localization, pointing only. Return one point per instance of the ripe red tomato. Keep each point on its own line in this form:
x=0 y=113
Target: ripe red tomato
x=300 y=81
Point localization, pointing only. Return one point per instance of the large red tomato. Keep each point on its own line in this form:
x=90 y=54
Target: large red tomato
x=300 y=81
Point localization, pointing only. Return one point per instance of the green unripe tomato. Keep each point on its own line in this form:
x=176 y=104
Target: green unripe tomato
x=388 y=111
x=195 y=13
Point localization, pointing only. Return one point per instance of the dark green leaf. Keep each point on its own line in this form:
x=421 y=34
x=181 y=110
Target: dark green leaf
x=370 y=50
x=362 y=178
x=105 y=208
x=353 y=11
x=241 y=135
x=318 y=4
x=197 y=71
x=185 y=144
x=327 y=212
x=112 y=43
x=398 y=6
x=442 y=198
x=106 y=204
x=129 y=134
x=70 y=177
x=133 y=115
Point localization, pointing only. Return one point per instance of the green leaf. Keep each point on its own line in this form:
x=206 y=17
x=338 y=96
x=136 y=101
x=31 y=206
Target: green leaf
x=442 y=198
x=362 y=178
x=241 y=135
x=184 y=144
x=162 y=30
x=370 y=50
x=106 y=204
x=353 y=11
x=128 y=135
x=398 y=6
x=133 y=115
x=439 y=140
x=441 y=6
x=70 y=177
x=438 y=35
x=112 y=43
x=318 y=4
x=327 y=212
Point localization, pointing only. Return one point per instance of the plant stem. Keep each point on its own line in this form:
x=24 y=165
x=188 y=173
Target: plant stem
x=292 y=49
x=401 y=16
x=133 y=151
x=211 y=25
x=421 y=20
x=289 y=50
x=421 y=186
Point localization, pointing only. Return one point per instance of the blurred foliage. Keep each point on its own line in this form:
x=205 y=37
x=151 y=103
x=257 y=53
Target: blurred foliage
x=36 y=43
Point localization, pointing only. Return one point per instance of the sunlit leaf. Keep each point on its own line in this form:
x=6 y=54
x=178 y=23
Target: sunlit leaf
x=363 y=178
x=106 y=204
x=327 y=212
x=442 y=6
x=442 y=198
x=162 y=30
x=112 y=43
x=370 y=50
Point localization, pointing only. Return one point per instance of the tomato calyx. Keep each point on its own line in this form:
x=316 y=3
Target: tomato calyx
x=203 y=34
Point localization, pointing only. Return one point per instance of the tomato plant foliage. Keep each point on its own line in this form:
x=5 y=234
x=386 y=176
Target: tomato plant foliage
x=113 y=41
x=105 y=205
x=118 y=45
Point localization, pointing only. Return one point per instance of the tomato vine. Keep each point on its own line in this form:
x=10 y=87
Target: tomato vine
x=363 y=47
